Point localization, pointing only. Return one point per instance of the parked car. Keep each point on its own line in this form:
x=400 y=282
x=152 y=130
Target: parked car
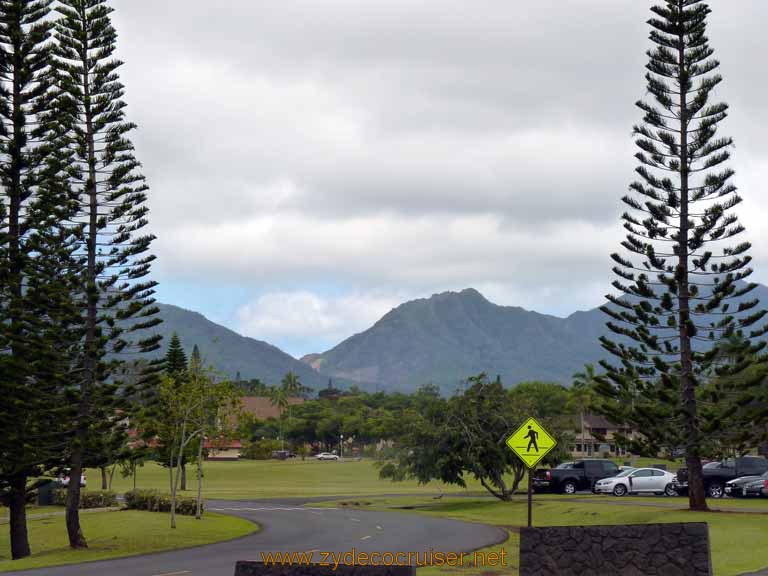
x=638 y=481
x=326 y=456
x=63 y=478
x=735 y=488
x=747 y=486
x=282 y=454
x=716 y=474
x=581 y=476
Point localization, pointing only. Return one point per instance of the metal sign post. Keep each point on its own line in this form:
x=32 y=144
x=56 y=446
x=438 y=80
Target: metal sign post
x=530 y=497
x=531 y=442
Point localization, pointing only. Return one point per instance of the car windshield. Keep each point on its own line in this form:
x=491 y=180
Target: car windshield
x=711 y=465
x=625 y=473
x=564 y=466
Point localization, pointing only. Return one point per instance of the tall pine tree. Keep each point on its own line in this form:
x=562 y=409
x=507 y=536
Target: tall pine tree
x=119 y=298
x=39 y=265
x=683 y=282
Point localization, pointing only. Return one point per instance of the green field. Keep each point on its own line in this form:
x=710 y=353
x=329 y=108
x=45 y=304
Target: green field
x=738 y=539
x=117 y=534
x=253 y=479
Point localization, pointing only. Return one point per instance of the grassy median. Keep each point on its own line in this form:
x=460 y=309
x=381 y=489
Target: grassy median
x=118 y=534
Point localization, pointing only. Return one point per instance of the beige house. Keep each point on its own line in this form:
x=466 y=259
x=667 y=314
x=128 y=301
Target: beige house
x=222 y=450
x=594 y=437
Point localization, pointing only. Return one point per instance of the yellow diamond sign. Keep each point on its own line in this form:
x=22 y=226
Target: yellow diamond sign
x=531 y=442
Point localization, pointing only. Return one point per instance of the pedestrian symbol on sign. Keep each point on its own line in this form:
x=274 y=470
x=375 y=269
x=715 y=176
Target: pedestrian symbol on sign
x=533 y=435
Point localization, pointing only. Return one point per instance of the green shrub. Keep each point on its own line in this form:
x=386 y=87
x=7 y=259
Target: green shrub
x=88 y=499
x=155 y=501
x=260 y=450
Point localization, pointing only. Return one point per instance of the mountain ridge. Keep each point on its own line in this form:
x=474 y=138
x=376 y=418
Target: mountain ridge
x=442 y=339
x=451 y=335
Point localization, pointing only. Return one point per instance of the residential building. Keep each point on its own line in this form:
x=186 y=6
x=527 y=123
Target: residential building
x=595 y=437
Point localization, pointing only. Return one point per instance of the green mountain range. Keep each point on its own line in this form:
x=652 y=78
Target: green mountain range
x=442 y=339
x=453 y=335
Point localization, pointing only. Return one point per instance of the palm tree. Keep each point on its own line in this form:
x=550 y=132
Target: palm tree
x=583 y=394
x=292 y=387
x=278 y=397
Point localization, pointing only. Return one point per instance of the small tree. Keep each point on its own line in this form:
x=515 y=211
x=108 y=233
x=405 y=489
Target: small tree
x=218 y=415
x=193 y=407
x=465 y=435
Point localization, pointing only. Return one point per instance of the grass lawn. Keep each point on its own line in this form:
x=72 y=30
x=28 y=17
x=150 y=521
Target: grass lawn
x=758 y=504
x=253 y=479
x=738 y=540
x=117 y=534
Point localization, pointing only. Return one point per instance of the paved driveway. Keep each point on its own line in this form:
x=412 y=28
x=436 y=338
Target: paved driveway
x=288 y=527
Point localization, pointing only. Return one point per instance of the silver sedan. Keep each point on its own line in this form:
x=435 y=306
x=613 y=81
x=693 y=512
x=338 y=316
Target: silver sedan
x=638 y=481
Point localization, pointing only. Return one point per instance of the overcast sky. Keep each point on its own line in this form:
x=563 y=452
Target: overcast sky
x=314 y=163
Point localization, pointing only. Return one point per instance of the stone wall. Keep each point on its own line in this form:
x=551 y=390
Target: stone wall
x=643 y=549
x=259 y=569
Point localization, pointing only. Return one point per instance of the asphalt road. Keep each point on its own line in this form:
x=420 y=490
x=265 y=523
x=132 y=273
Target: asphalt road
x=288 y=527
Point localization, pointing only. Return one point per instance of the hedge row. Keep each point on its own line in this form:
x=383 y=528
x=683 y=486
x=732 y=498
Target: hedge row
x=88 y=498
x=155 y=501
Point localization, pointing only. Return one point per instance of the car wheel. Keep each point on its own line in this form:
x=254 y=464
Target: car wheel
x=715 y=490
x=669 y=490
x=619 y=490
x=569 y=488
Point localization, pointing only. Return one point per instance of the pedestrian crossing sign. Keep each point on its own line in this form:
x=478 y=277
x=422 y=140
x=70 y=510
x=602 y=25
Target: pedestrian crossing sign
x=531 y=442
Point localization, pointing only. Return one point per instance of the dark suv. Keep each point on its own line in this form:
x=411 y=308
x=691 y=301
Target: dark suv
x=582 y=475
x=716 y=474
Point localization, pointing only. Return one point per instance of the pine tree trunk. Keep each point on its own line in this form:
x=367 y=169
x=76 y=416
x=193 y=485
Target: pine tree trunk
x=18 y=517
x=183 y=473
x=74 y=532
x=103 y=477
x=18 y=513
x=696 y=496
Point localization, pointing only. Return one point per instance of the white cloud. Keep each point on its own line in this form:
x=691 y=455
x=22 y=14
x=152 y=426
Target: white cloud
x=296 y=320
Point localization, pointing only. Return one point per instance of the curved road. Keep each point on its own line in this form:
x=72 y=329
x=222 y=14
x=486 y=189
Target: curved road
x=288 y=526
